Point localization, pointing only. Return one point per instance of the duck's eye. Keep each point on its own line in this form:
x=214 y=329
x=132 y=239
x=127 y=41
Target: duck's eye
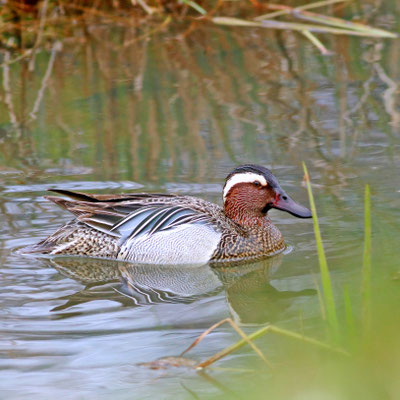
x=257 y=184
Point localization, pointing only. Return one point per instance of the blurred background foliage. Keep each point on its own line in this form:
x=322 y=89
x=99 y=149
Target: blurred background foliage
x=144 y=95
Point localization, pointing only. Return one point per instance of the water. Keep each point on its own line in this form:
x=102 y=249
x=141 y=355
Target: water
x=176 y=114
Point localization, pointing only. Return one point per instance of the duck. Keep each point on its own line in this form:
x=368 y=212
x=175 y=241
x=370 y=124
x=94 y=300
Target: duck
x=163 y=228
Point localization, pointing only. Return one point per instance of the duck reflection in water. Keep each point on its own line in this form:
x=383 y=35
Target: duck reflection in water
x=251 y=298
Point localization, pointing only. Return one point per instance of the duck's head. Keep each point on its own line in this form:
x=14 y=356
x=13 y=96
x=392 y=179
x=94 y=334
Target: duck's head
x=250 y=191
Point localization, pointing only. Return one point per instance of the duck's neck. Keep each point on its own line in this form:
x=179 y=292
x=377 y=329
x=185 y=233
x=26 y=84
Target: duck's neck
x=240 y=212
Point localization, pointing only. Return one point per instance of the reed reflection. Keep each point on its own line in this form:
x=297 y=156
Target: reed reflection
x=147 y=109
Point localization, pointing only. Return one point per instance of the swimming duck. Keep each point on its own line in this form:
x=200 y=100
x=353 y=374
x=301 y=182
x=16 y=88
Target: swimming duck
x=173 y=229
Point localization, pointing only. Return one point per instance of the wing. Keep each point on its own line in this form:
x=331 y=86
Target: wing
x=130 y=216
x=152 y=219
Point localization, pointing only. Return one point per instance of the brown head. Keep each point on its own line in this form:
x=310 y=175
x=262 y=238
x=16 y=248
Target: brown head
x=250 y=191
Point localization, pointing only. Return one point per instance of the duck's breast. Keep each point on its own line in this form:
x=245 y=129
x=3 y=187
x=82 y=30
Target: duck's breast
x=254 y=243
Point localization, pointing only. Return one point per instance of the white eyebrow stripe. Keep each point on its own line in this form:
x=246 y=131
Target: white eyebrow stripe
x=243 y=177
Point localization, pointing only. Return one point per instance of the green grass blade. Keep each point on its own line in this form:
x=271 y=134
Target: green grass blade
x=366 y=268
x=261 y=332
x=318 y=28
x=195 y=6
x=350 y=320
x=321 y=20
x=289 y=10
x=316 y=42
x=343 y=24
x=272 y=24
x=231 y=21
x=325 y=277
x=320 y=298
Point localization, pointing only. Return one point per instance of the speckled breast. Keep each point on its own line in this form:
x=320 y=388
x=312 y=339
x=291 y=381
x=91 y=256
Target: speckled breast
x=253 y=243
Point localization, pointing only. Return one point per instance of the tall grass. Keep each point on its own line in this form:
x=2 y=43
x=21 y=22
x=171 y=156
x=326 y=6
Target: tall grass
x=329 y=301
x=329 y=305
x=366 y=268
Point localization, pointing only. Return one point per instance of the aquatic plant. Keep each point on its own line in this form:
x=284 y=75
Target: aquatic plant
x=328 y=303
